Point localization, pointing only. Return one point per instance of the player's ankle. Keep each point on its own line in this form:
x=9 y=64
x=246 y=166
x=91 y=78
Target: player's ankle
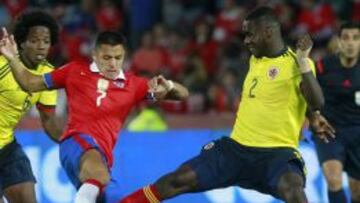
x=87 y=193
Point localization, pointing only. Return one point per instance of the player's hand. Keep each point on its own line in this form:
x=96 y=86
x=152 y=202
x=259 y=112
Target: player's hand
x=8 y=46
x=303 y=47
x=159 y=86
x=321 y=127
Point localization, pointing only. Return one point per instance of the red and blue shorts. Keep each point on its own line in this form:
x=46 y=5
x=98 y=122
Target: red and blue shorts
x=71 y=150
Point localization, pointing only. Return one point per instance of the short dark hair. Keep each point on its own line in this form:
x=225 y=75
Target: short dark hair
x=263 y=13
x=348 y=25
x=110 y=38
x=33 y=18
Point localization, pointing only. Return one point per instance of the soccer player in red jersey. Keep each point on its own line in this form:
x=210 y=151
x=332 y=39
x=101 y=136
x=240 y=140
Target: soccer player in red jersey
x=100 y=96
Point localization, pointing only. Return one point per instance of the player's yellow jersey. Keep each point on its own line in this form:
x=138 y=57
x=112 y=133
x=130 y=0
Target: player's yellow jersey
x=14 y=102
x=272 y=108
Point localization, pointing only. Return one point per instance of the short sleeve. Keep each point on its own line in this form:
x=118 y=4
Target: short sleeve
x=47 y=100
x=57 y=78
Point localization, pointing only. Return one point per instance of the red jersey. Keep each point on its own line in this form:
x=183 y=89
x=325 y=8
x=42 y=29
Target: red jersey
x=97 y=106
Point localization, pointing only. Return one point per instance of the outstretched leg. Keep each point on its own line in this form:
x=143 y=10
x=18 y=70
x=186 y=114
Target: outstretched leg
x=85 y=166
x=207 y=171
x=181 y=181
x=94 y=175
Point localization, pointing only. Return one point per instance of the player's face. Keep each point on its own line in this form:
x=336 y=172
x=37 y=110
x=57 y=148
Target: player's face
x=36 y=47
x=109 y=59
x=349 y=43
x=252 y=38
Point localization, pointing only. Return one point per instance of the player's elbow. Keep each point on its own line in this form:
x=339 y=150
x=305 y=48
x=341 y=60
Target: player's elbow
x=33 y=84
x=28 y=88
x=25 y=88
x=26 y=84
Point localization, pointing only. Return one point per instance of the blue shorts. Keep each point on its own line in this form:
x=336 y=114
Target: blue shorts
x=71 y=150
x=15 y=166
x=344 y=148
x=225 y=162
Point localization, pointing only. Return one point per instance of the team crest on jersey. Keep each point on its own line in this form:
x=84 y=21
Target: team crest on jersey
x=273 y=72
x=119 y=84
x=209 y=146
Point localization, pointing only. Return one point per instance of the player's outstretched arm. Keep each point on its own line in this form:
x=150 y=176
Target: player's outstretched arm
x=310 y=87
x=167 y=89
x=28 y=81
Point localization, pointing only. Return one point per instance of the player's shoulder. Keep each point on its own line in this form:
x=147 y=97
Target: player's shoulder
x=286 y=59
x=290 y=55
x=78 y=64
x=286 y=56
x=45 y=67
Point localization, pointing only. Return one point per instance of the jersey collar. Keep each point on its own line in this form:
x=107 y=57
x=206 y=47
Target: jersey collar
x=95 y=69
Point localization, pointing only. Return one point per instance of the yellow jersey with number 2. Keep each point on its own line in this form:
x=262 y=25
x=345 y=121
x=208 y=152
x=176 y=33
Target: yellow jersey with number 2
x=272 y=108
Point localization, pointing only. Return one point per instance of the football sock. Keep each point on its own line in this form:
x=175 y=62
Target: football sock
x=337 y=196
x=148 y=194
x=89 y=191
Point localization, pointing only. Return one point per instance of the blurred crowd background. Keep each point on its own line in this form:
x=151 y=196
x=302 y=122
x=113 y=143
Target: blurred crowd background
x=195 y=42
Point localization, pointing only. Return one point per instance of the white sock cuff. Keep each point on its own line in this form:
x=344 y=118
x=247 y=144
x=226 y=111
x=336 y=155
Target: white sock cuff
x=87 y=193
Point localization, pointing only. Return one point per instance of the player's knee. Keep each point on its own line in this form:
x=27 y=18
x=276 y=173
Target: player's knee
x=333 y=174
x=355 y=194
x=23 y=192
x=21 y=199
x=181 y=181
x=100 y=175
x=290 y=186
x=290 y=189
x=184 y=177
x=334 y=181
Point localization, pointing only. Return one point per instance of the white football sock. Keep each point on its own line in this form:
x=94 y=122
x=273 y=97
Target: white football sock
x=87 y=193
